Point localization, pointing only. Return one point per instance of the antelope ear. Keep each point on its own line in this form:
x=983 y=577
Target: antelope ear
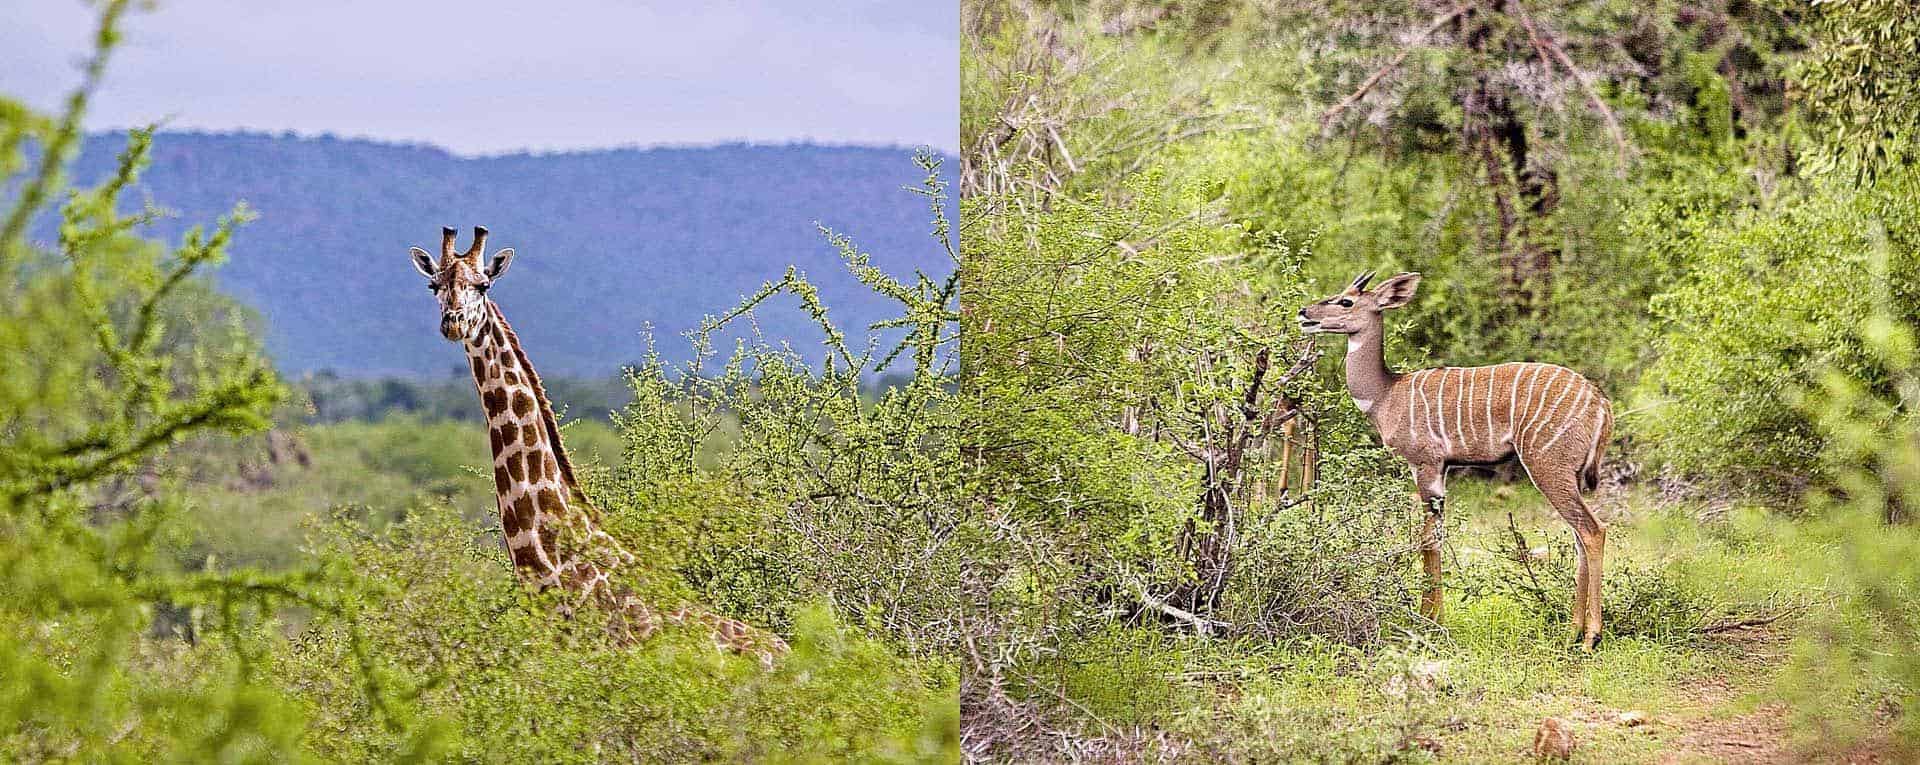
x=500 y=262
x=1396 y=292
x=423 y=262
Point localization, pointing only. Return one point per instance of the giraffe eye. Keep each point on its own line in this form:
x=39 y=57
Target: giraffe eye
x=481 y=288
x=1346 y=303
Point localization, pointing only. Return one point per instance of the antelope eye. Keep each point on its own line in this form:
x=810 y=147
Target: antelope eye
x=1346 y=303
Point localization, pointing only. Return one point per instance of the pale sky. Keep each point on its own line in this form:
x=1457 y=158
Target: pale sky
x=484 y=76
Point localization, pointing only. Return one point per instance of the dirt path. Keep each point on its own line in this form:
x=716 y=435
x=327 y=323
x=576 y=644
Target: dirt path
x=1759 y=737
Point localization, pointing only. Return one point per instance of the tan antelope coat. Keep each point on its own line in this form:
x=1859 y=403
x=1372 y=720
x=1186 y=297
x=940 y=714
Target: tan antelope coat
x=1555 y=422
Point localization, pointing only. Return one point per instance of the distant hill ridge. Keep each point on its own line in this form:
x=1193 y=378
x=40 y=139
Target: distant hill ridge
x=608 y=241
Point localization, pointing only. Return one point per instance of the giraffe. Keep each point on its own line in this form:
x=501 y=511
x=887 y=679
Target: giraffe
x=551 y=530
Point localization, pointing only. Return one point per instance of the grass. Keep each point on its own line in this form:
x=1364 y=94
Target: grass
x=373 y=470
x=1476 y=689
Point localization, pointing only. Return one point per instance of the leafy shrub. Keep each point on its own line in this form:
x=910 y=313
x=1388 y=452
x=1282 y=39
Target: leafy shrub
x=1856 y=661
x=1653 y=601
x=1101 y=335
x=458 y=637
x=116 y=348
x=767 y=481
x=1774 y=295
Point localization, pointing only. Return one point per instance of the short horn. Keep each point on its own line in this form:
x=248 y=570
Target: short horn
x=446 y=241
x=1361 y=283
x=479 y=247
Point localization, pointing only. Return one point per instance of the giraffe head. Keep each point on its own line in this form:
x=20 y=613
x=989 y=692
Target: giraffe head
x=460 y=282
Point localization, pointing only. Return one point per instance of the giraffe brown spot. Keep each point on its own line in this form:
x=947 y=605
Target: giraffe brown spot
x=550 y=542
x=512 y=378
x=550 y=501
x=479 y=369
x=533 y=468
x=493 y=400
x=498 y=338
x=500 y=479
x=522 y=403
x=523 y=512
x=507 y=433
x=528 y=557
x=513 y=467
x=499 y=438
x=532 y=435
x=553 y=468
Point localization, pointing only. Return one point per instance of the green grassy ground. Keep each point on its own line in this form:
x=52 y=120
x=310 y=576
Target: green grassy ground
x=1670 y=684
x=251 y=499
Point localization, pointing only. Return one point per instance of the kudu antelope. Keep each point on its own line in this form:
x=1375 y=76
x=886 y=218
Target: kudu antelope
x=1555 y=421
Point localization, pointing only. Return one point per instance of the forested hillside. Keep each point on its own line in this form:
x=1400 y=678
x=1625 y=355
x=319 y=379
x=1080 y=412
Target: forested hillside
x=608 y=241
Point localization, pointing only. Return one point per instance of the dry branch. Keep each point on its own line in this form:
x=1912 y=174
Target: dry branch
x=1200 y=624
x=1327 y=117
x=1741 y=624
x=1552 y=52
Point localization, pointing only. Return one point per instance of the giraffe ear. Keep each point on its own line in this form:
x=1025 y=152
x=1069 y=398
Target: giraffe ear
x=500 y=262
x=423 y=262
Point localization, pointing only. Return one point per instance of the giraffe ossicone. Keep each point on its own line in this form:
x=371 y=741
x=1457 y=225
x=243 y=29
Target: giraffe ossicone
x=552 y=533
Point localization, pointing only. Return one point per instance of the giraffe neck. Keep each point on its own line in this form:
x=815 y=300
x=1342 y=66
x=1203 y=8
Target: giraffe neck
x=550 y=531
x=549 y=526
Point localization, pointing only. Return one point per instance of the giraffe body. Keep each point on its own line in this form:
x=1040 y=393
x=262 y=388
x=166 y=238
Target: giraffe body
x=550 y=529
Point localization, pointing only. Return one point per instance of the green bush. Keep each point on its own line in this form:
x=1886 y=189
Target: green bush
x=498 y=678
x=1856 y=661
x=1773 y=296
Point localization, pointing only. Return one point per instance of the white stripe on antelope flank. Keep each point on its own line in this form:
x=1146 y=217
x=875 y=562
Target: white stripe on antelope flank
x=1440 y=398
x=1513 y=402
x=1460 y=407
x=1552 y=414
x=1492 y=378
x=1426 y=408
x=1466 y=407
x=1586 y=395
x=1606 y=416
x=1432 y=405
x=1540 y=408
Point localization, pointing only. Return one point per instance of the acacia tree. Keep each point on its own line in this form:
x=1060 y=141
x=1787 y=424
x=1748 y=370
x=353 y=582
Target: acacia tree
x=118 y=347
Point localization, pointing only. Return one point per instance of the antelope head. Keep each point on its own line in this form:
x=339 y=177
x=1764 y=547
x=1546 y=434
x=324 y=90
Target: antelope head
x=1357 y=309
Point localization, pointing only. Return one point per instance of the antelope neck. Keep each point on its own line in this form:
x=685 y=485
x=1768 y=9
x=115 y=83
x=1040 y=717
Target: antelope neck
x=1367 y=375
